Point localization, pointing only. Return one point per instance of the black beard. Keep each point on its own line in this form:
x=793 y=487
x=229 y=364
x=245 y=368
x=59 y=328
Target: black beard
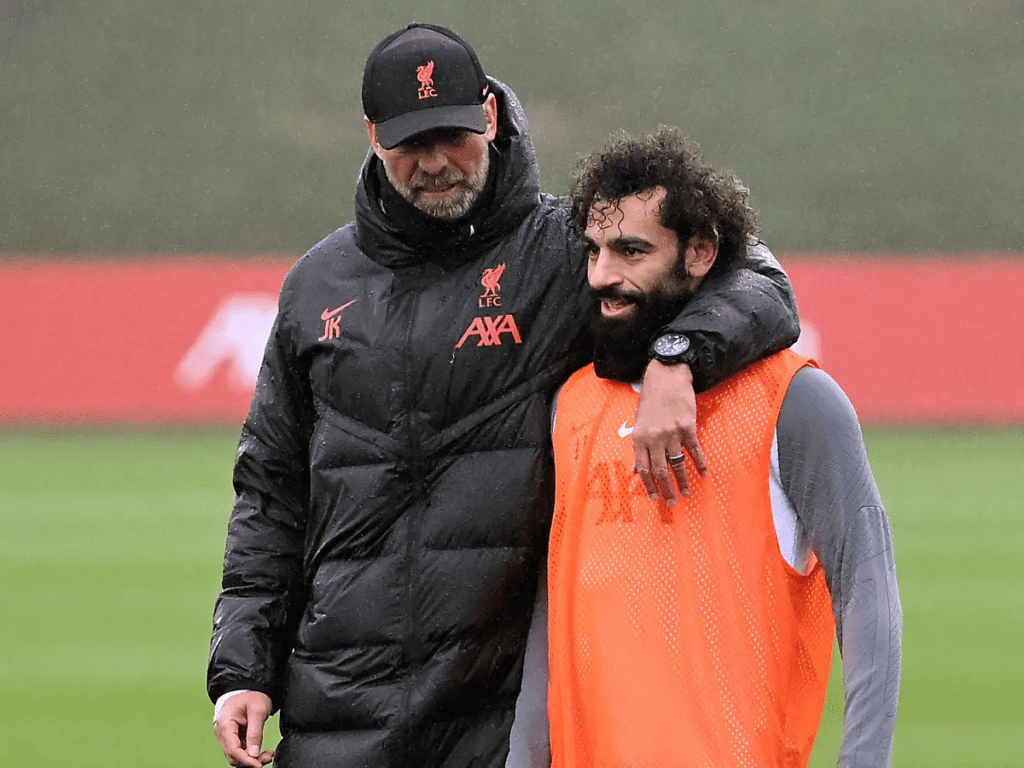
x=620 y=346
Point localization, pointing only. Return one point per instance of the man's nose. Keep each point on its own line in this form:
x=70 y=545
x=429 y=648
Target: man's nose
x=601 y=272
x=433 y=159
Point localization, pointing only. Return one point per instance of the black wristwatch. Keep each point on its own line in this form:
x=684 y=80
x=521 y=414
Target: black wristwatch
x=673 y=349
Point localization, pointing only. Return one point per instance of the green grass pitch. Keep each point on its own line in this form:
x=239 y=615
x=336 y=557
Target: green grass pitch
x=113 y=539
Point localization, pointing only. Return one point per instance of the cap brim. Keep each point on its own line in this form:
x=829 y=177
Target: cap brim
x=391 y=133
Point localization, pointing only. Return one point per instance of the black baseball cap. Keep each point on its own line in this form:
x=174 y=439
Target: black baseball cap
x=420 y=78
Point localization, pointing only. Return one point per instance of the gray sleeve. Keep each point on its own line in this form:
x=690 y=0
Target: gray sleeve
x=825 y=473
x=530 y=739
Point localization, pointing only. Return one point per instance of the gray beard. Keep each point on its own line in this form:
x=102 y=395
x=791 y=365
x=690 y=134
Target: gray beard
x=451 y=207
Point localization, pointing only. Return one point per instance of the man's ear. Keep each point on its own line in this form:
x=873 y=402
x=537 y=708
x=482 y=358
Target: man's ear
x=491 y=115
x=700 y=258
x=371 y=131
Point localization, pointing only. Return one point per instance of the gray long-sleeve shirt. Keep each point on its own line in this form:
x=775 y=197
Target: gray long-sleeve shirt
x=824 y=472
x=824 y=498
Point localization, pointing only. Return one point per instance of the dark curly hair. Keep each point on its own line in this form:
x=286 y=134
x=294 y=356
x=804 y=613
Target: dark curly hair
x=699 y=201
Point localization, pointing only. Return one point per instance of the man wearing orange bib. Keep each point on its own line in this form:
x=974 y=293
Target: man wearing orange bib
x=701 y=633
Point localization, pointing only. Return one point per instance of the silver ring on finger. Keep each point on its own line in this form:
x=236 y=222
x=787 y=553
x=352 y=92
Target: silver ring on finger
x=676 y=459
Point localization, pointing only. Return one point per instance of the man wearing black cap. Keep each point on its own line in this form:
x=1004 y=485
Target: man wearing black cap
x=432 y=134
x=394 y=474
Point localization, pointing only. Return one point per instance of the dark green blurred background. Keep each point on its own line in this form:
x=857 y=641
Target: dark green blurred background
x=236 y=127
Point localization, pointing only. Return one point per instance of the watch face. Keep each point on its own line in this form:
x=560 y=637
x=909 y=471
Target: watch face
x=671 y=344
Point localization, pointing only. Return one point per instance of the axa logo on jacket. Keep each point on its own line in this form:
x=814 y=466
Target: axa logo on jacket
x=488 y=330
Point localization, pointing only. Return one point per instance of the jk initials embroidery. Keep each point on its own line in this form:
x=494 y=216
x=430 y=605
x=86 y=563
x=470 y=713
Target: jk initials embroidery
x=332 y=321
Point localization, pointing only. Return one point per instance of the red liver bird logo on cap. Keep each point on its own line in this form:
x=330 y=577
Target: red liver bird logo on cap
x=425 y=75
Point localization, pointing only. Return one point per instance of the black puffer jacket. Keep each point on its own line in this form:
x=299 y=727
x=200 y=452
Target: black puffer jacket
x=393 y=478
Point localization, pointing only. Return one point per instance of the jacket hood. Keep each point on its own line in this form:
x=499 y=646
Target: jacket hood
x=513 y=190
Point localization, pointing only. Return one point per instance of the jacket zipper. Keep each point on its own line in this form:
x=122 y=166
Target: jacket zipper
x=413 y=528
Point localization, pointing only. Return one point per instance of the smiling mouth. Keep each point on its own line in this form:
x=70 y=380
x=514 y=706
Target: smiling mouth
x=616 y=307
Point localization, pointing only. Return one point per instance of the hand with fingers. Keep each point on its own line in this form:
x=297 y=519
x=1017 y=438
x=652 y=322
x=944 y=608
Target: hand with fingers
x=665 y=430
x=239 y=728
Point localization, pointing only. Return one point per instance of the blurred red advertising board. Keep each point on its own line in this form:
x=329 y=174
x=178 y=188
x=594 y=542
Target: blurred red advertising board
x=180 y=339
x=917 y=339
x=141 y=340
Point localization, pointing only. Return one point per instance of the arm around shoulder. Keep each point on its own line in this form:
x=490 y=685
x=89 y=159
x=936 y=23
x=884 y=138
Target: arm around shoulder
x=740 y=315
x=735 y=318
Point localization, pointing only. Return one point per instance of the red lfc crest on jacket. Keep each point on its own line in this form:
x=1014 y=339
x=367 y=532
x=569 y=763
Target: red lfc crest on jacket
x=491 y=281
x=425 y=75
